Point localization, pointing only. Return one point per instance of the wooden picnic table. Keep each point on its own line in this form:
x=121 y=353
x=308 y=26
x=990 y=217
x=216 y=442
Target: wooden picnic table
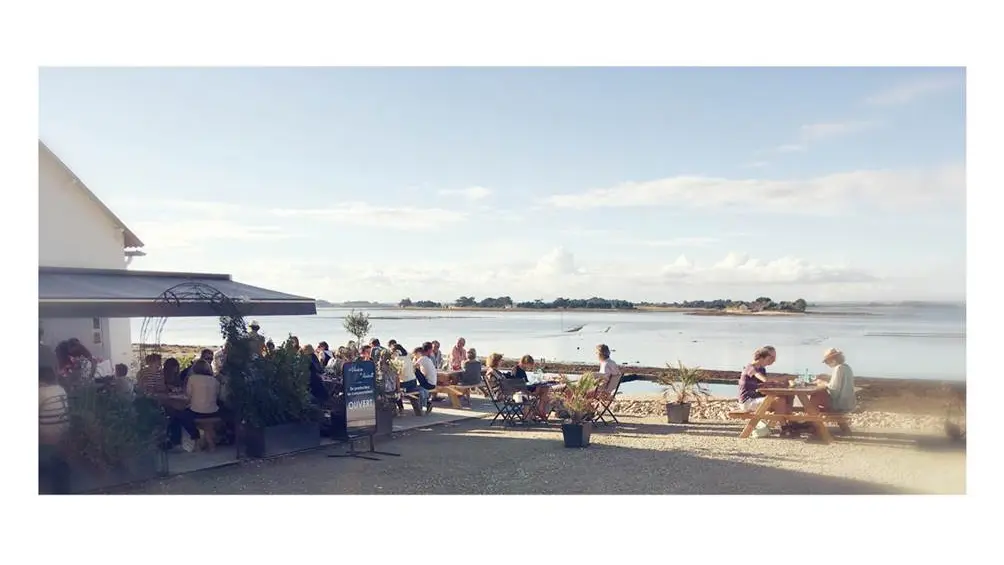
x=809 y=412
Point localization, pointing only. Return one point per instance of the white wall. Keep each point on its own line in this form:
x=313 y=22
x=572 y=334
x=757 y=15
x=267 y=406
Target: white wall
x=62 y=329
x=73 y=231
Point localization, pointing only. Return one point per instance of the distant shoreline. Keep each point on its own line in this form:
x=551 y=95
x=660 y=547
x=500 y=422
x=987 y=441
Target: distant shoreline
x=635 y=310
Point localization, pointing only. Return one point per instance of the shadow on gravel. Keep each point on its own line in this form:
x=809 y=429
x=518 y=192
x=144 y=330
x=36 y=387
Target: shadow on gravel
x=471 y=458
x=905 y=441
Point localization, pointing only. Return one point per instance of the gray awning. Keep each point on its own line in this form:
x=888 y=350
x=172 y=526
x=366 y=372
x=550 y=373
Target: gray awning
x=111 y=293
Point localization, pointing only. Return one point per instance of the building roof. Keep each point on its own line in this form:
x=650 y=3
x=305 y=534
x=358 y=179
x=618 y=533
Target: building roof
x=129 y=238
x=117 y=293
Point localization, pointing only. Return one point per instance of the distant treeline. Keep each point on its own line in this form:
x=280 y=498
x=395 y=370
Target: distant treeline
x=762 y=304
x=506 y=302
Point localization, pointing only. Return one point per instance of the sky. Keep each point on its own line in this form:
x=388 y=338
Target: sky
x=644 y=184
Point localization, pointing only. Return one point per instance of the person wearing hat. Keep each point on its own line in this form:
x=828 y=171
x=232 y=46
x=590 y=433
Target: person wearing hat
x=257 y=340
x=836 y=392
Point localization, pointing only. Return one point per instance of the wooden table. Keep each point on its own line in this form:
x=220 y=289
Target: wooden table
x=173 y=400
x=810 y=413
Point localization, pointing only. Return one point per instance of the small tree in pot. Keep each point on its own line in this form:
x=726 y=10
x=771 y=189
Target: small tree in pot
x=684 y=386
x=576 y=404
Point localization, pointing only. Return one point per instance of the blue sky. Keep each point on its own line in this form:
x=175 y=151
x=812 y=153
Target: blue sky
x=637 y=183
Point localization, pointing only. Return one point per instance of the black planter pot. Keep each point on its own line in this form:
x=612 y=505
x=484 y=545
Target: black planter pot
x=577 y=435
x=678 y=412
x=82 y=479
x=333 y=426
x=279 y=440
x=385 y=421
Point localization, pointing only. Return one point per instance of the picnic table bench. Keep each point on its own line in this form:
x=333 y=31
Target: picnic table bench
x=809 y=413
x=455 y=392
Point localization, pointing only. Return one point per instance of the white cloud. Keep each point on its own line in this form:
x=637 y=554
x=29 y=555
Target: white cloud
x=473 y=193
x=559 y=262
x=738 y=269
x=366 y=215
x=757 y=164
x=908 y=92
x=893 y=190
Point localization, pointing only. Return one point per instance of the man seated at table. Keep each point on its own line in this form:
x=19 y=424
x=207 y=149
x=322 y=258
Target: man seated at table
x=836 y=392
x=203 y=392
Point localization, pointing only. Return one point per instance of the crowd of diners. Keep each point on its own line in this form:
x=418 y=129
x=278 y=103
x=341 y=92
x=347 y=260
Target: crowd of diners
x=201 y=386
x=834 y=392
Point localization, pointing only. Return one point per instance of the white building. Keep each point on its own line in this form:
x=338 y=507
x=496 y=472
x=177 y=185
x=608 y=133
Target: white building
x=85 y=290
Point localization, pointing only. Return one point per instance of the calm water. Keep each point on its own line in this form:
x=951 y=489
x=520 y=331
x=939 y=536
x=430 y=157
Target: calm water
x=917 y=341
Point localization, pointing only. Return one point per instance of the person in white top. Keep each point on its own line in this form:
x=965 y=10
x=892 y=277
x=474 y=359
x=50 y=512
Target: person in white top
x=203 y=391
x=426 y=374
x=610 y=372
x=836 y=392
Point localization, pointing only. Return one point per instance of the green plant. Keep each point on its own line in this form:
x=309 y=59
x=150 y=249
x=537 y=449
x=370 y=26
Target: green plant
x=357 y=324
x=269 y=390
x=386 y=400
x=576 y=402
x=684 y=384
x=107 y=429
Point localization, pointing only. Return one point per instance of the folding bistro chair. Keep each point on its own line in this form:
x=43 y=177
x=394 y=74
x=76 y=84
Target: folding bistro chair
x=506 y=407
x=605 y=411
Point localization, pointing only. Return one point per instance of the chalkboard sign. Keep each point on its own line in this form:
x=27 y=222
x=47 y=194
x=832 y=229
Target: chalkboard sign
x=360 y=397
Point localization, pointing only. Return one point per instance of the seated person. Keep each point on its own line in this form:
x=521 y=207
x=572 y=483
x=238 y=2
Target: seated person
x=409 y=383
x=426 y=373
x=318 y=392
x=609 y=374
x=754 y=376
x=122 y=382
x=539 y=392
x=172 y=374
x=205 y=355
x=471 y=369
x=203 y=391
x=53 y=424
x=151 y=376
x=836 y=392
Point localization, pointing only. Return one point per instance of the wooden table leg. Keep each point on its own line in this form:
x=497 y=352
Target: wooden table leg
x=810 y=410
x=764 y=407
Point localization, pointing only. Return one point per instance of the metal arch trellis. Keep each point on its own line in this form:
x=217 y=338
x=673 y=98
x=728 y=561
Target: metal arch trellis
x=226 y=308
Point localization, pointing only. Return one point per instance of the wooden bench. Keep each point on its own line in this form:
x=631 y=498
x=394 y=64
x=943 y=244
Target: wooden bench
x=415 y=400
x=207 y=431
x=455 y=392
x=842 y=420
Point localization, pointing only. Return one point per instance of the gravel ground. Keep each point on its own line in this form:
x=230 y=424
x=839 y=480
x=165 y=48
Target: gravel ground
x=640 y=456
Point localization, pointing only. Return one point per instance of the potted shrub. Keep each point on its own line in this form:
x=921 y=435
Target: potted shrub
x=684 y=387
x=577 y=406
x=271 y=396
x=386 y=401
x=112 y=438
